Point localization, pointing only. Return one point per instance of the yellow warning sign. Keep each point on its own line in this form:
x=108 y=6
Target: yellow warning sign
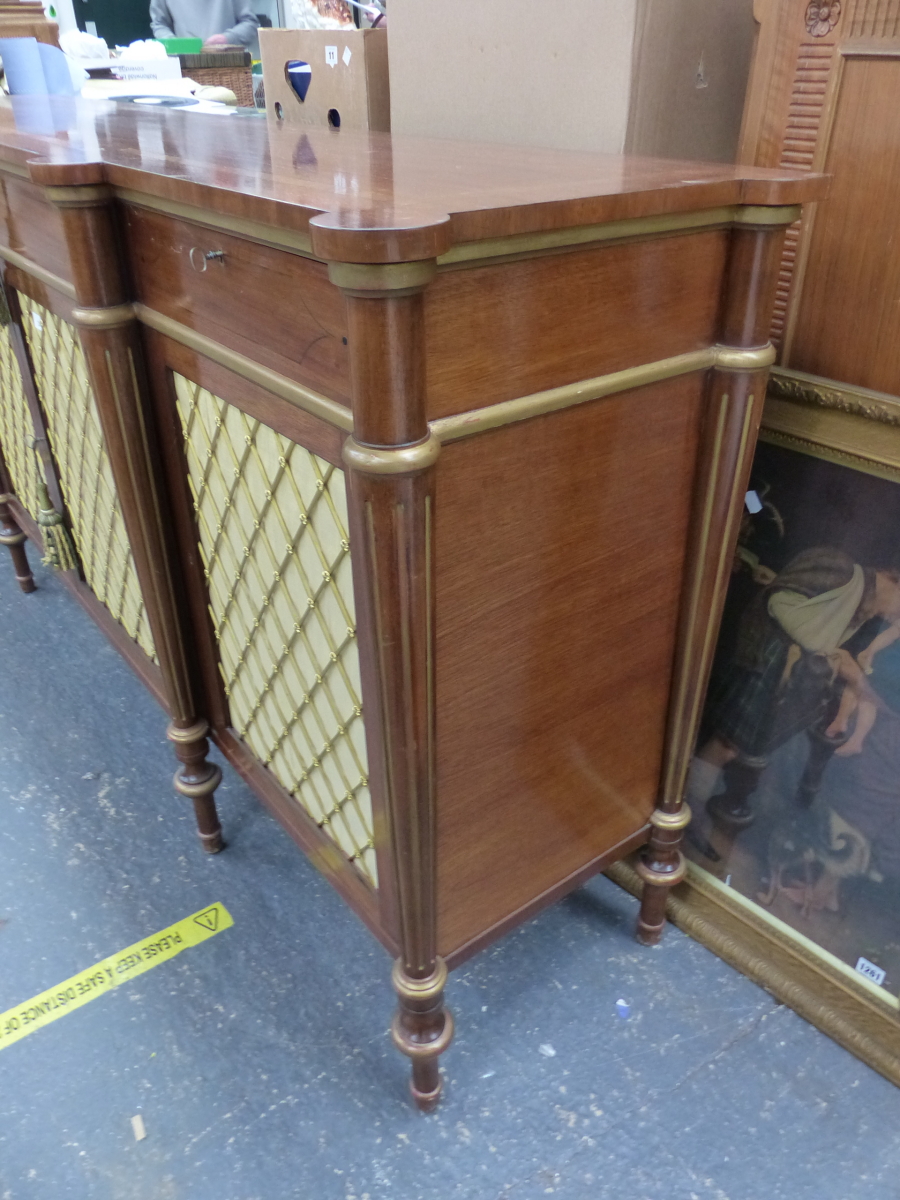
x=110 y=973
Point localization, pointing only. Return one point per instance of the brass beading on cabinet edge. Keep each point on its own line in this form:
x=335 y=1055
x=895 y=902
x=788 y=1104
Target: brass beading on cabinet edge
x=428 y=988
x=769 y=215
x=196 y=791
x=103 y=318
x=527 y=244
x=290 y=240
x=305 y=398
x=88 y=196
x=41 y=274
x=382 y=279
x=193 y=733
x=507 y=412
x=662 y=878
x=395 y=460
x=756 y=358
x=671 y=820
x=299 y=242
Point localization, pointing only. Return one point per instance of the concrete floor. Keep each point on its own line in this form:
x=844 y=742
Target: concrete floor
x=260 y=1060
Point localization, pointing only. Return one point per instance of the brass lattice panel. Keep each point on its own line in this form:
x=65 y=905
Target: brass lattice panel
x=85 y=474
x=16 y=428
x=272 y=522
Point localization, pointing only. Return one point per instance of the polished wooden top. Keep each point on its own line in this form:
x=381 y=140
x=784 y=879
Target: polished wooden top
x=365 y=197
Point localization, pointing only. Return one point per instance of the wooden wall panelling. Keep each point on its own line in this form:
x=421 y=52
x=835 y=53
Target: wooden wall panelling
x=845 y=327
x=822 y=97
x=789 y=101
x=112 y=349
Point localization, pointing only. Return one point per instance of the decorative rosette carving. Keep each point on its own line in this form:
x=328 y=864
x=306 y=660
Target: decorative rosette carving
x=821 y=16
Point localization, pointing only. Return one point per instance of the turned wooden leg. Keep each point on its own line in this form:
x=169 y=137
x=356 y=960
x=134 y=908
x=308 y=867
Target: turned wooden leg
x=13 y=537
x=198 y=779
x=422 y=1028
x=661 y=867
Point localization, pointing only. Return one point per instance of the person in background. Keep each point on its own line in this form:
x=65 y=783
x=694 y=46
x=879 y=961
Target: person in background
x=220 y=23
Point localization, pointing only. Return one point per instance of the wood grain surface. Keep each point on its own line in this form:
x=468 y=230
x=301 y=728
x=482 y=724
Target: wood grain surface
x=272 y=306
x=559 y=548
x=510 y=329
x=367 y=197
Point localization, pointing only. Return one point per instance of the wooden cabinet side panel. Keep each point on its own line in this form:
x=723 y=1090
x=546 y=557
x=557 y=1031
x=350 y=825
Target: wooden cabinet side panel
x=560 y=547
x=501 y=331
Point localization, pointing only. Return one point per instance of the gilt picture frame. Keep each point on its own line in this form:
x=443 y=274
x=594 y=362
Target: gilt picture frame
x=794 y=851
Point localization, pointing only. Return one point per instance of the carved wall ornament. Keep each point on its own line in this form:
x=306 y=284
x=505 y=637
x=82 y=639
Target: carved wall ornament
x=821 y=18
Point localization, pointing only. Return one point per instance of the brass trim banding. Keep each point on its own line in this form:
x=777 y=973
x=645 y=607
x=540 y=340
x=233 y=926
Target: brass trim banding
x=291 y=240
x=297 y=241
x=196 y=791
x=193 y=733
x=731 y=358
x=419 y=990
x=382 y=279
x=399 y=460
x=104 y=318
x=767 y=214
x=305 y=398
x=672 y=820
x=662 y=878
x=11 y=168
x=41 y=274
x=559 y=239
x=460 y=425
x=79 y=197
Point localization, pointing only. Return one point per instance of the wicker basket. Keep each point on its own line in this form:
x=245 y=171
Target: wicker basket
x=227 y=68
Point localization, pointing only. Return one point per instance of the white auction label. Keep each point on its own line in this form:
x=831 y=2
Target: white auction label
x=331 y=56
x=876 y=974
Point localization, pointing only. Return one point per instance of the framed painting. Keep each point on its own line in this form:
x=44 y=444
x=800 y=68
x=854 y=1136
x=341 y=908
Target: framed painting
x=794 y=848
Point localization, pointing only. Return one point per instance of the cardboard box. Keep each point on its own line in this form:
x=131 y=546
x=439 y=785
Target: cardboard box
x=660 y=77
x=347 y=78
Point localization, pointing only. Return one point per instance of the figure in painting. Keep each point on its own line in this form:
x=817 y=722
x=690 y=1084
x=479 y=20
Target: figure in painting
x=786 y=671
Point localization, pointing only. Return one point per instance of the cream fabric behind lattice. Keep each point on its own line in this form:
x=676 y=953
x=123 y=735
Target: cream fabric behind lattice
x=85 y=475
x=16 y=428
x=272 y=520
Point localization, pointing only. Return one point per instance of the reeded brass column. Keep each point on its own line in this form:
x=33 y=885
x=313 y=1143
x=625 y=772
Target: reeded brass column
x=110 y=339
x=390 y=461
x=735 y=396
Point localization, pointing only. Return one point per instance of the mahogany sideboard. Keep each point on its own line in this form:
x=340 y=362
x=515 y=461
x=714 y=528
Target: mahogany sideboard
x=408 y=471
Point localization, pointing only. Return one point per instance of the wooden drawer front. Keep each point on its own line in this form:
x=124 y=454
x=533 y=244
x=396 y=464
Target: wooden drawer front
x=85 y=475
x=274 y=307
x=16 y=429
x=272 y=530
x=32 y=227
